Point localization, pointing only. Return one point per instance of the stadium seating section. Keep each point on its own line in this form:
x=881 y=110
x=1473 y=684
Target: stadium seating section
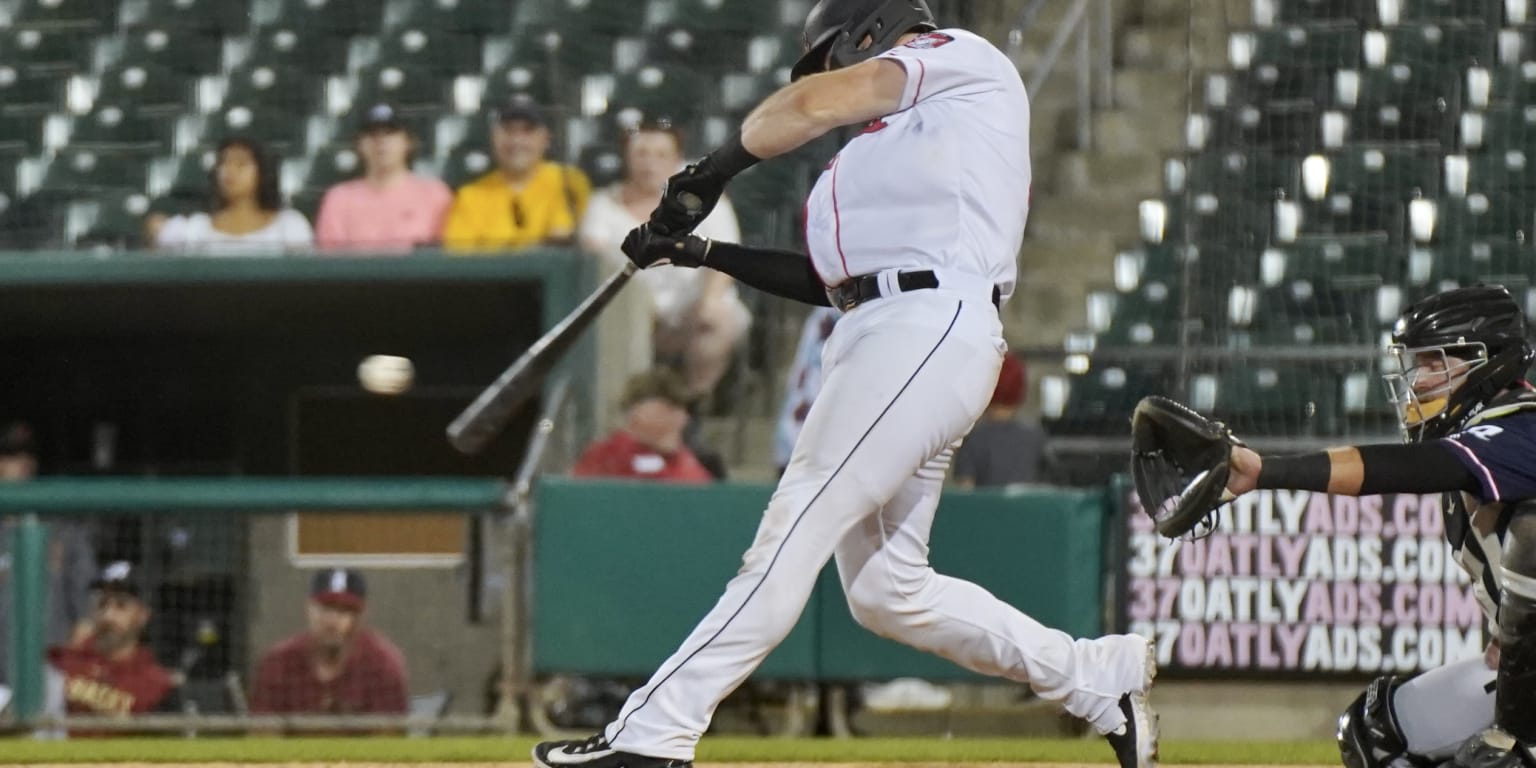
x=110 y=107
x=1353 y=156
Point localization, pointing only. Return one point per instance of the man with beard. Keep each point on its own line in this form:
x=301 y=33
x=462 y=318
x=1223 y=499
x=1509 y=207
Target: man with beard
x=106 y=670
x=337 y=667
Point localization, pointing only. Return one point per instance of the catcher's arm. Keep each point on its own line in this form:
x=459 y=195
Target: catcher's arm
x=1351 y=470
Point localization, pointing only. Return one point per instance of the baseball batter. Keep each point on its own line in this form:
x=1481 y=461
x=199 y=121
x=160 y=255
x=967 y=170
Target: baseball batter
x=913 y=232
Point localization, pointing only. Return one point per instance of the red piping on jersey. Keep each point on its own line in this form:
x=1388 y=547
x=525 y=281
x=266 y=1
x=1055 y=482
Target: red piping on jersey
x=922 y=73
x=837 y=222
x=1492 y=486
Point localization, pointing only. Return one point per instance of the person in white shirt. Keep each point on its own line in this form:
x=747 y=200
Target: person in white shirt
x=698 y=316
x=914 y=232
x=247 y=216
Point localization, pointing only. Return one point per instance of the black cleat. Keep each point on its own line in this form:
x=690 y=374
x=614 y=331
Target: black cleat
x=1493 y=748
x=1135 y=742
x=595 y=753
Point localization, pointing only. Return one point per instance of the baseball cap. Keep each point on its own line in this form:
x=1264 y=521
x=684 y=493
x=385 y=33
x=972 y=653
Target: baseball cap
x=16 y=440
x=522 y=108
x=341 y=588
x=381 y=117
x=119 y=577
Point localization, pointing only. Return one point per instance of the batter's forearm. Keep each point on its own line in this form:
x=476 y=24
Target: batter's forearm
x=1368 y=470
x=782 y=273
x=808 y=108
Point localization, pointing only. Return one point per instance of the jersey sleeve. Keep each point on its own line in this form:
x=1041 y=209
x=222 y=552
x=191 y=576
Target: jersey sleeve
x=1501 y=454
x=943 y=65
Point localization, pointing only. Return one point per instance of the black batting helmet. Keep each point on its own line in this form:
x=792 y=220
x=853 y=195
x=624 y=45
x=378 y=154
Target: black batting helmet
x=1456 y=350
x=836 y=28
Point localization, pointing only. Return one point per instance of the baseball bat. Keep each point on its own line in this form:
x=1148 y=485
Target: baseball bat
x=489 y=413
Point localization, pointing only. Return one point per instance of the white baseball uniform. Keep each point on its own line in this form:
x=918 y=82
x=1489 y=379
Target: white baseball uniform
x=942 y=184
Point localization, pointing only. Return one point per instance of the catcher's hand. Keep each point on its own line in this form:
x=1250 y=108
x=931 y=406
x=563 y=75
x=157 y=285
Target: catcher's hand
x=1180 y=462
x=689 y=198
x=645 y=247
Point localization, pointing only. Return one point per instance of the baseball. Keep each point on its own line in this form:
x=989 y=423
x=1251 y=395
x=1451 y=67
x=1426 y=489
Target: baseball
x=386 y=374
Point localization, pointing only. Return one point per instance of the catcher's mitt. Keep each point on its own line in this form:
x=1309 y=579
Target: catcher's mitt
x=1180 y=461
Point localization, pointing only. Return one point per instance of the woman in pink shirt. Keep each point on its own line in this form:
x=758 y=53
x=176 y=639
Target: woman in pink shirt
x=390 y=209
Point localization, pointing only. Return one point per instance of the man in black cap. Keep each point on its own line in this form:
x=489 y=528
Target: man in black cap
x=338 y=666
x=527 y=200
x=107 y=670
x=390 y=208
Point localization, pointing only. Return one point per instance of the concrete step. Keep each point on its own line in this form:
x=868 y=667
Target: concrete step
x=1151 y=89
x=1172 y=48
x=1128 y=177
x=1137 y=132
x=1042 y=313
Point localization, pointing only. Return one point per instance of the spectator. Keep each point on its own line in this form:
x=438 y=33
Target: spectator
x=71 y=564
x=697 y=316
x=803 y=383
x=1001 y=449
x=248 y=217
x=107 y=670
x=339 y=666
x=389 y=208
x=650 y=444
x=527 y=200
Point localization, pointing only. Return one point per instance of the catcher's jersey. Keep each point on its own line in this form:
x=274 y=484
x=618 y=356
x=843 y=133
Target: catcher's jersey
x=1499 y=448
x=941 y=183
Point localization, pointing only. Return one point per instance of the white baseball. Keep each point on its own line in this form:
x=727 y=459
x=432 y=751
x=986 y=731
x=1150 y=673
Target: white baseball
x=386 y=374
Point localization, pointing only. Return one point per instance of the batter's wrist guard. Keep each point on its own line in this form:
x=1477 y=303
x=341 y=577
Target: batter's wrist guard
x=729 y=159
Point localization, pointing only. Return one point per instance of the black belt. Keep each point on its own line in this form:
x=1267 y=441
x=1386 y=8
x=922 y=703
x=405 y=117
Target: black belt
x=856 y=290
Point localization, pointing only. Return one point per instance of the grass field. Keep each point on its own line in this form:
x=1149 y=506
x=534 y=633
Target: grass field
x=758 y=752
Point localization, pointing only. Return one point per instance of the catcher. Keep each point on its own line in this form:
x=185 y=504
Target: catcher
x=1469 y=422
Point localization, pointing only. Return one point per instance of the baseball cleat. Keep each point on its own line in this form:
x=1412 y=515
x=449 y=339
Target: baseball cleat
x=596 y=753
x=1135 y=742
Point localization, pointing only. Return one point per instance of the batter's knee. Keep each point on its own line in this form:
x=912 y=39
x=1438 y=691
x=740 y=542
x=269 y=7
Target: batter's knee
x=882 y=604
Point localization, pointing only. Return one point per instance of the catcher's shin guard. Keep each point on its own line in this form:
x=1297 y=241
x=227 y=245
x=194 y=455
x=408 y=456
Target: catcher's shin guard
x=1369 y=734
x=1515 y=707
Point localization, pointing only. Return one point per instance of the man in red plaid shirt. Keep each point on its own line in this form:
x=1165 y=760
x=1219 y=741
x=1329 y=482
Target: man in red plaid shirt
x=337 y=667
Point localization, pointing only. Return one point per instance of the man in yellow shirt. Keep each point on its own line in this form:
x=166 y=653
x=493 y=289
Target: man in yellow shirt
x=527 y=200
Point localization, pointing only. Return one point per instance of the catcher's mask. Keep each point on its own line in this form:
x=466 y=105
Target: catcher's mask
x=1450 y=354
x=835 y=31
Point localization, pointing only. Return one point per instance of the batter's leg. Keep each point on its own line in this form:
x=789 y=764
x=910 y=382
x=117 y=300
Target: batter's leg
x=894 y=592
x=904 y=378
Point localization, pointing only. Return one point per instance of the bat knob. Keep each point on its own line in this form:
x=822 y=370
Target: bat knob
x=692 y=202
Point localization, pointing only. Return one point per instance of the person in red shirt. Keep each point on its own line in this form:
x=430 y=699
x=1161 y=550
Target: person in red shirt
x=106 y=670
x=339 y=666
x=650 y=444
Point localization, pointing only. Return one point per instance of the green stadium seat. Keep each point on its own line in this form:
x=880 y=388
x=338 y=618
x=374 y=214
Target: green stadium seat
x=1330 y=45
x=1238 y=174
x=1500 y=127
x=21 y=129
x=146 y=86
x=740 y=92
x=291 y=45
x=739 y=16
x=1400 y=84
x=190 y=178
x=1469 y=262
x=1515 y=86
x=467 y=163
x=331 y=17
x=436 y=51
x=603 y=164
x=121 y=128
x=1266 y=85
x=1334 y=310
x=1273 y=398
x=568 y=53
x=769 y=199
x=1470 y=11
x=280 y=130
x=1510 y=173
x=655 y=92
x=1290 y=126
x=75 y=171
x=530 y=79
x=405 y=87
x=1268 y=13
x=1384 y=172
x=332 y=165
x=218 y=17
x=46 y=49
x=1163 y=263
x=38 y=90
x=1442 y=43
x=1100 y=401
x=479 y=17
x=1320 y=260
x=267 y=85
x=1479 y=217
x=164 y=45
x=420 y=123
x=609 y=18
x=116 y=221
x=87 y=15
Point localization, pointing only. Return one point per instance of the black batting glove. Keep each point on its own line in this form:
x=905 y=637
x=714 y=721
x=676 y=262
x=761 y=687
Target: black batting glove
x=691 y=195
x=646 y=247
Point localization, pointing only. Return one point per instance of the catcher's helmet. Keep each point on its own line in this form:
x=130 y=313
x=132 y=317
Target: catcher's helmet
x=1455 y=351
x=835 y=29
